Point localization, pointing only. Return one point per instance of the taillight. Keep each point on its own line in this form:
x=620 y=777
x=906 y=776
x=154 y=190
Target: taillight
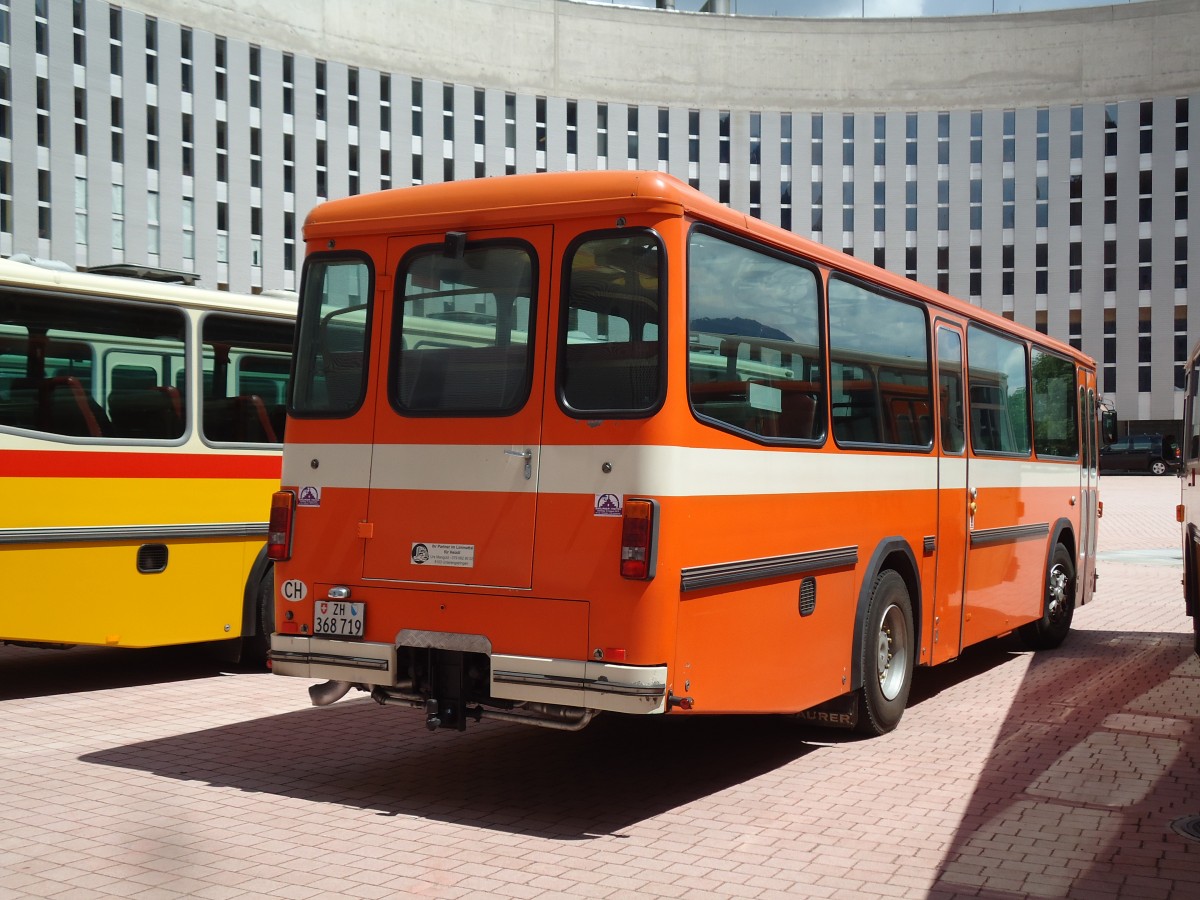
x=639 y=533
x=279 y=527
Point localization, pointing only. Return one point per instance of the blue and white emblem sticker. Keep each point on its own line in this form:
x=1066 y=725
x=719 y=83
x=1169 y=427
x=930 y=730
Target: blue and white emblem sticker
x=608 y=505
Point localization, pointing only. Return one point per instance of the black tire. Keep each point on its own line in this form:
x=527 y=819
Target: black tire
x=1058 y=605
x=256 y=646
x=888 y=655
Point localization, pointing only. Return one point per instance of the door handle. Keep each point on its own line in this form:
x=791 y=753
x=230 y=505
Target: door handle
x=526 y=455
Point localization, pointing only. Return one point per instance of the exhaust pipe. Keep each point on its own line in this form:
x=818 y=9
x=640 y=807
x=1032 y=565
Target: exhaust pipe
x=329 y=692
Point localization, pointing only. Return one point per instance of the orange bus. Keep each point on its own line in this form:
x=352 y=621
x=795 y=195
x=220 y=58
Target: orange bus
x=578 y=442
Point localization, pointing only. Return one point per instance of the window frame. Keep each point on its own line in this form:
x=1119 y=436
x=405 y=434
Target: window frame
x=303 y=318
x=821 y=355
x=395 y=329
x=1027 y=453
x=101 y=367
x=561 y=343
x=931 y=371
x=1033 y=417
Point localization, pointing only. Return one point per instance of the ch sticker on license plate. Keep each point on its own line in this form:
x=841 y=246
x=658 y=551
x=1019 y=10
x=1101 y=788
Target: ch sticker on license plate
x=340 y=618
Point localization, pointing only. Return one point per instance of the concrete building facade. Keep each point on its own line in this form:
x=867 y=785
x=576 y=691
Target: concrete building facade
x=1036 y=164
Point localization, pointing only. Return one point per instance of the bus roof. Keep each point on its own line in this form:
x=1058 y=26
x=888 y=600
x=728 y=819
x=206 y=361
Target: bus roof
x=34 y=277
x=538 y=198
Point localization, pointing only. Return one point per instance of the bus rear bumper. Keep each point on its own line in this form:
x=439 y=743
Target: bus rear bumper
x=355 y=661
x=589 y=685
x=598 y=686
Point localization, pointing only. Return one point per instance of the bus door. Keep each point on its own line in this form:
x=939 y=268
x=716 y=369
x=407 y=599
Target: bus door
x=1088 y=487
x=454 y=474
x=952 y=533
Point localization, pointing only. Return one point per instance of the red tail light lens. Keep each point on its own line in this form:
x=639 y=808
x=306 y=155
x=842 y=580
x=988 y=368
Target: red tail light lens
x=279 y=526
x=639 y=531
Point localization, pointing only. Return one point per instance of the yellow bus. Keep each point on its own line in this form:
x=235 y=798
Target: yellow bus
x=140 y=431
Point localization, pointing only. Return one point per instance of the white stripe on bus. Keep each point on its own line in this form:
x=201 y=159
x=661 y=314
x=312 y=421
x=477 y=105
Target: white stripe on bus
x=650 y=470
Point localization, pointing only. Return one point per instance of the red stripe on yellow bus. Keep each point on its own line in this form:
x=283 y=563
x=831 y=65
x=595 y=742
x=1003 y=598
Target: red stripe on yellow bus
x=91 y=464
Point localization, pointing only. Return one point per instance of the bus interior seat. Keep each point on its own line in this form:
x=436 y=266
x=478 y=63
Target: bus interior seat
x=615 y=375
x=925 y=429
x=240 y=419
x=151 y=412
x=855 y=422
x=343 y=377
x=798 y=415
x=253 y=420
x=64 y=407
x=20 y=407
x=463 y=378
x=729 y=401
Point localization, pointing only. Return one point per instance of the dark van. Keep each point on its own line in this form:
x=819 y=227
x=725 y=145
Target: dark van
x=1153 y=453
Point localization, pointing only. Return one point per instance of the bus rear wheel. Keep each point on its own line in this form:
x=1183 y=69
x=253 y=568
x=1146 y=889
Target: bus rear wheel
x=888 y=656
x=256 y=646
x=1058 y=607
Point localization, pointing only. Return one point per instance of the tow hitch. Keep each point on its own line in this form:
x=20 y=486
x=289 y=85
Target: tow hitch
x=434 y=716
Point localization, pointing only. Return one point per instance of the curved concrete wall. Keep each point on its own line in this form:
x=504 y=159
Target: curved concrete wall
x=1042 y=165
x=630 y=55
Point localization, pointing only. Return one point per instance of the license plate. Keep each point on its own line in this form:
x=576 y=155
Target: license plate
x=340 y=618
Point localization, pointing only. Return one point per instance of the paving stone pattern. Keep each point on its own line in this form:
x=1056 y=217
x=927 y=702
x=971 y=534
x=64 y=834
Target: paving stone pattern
x=155 y=775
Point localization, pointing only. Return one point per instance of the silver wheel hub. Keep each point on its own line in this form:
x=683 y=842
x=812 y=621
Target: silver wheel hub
x=893 y=652
x=1057 y=593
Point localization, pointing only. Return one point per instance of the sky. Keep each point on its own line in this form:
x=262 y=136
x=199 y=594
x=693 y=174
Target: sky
x=877 y=8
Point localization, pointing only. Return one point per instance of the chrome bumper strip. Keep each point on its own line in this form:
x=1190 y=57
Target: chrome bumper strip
x=564 y=682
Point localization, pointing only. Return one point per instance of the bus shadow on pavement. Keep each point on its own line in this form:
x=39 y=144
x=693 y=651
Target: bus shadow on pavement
x=502 y=776
x=567 y=786
x=27 y=672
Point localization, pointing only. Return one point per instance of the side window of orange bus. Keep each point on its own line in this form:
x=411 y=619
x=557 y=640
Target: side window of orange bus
x=879 y=376
x=610 y=359
x=754 y=340
x=998 y=392
x=331 y=352
x=1055 y=418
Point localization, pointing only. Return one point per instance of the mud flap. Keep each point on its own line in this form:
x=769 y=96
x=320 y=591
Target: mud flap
x=840 y=712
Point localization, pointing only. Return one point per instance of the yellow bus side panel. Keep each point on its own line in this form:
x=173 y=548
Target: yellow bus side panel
x=91 y=592
x=94 y=594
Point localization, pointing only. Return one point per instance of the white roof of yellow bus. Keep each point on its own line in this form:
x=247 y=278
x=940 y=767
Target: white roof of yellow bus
x=35 y=277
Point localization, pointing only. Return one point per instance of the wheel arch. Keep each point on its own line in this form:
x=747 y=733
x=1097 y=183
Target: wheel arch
x=1062 y=532
x=1191 y=587
x=896 y=554
x=262 y=568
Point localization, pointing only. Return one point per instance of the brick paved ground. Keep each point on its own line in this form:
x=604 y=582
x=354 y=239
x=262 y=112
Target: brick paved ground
x=1059 y=775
